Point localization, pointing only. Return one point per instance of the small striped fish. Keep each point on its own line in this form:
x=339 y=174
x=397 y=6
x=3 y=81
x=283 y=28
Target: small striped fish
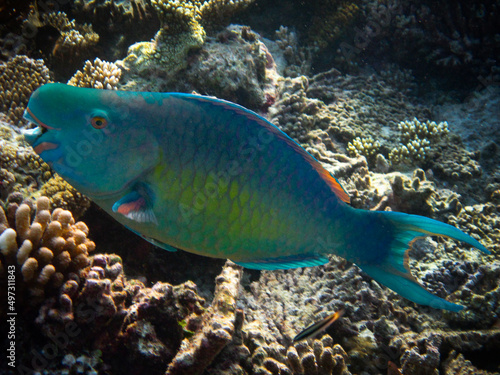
x=315 y=329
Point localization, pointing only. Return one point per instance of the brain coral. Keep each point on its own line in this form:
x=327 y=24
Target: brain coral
x=46 y=247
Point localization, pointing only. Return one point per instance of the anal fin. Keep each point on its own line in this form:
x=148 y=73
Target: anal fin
x=286 y=262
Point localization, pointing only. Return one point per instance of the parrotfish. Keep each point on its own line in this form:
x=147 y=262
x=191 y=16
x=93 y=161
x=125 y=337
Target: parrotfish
x=213 y=178
x=316 y=328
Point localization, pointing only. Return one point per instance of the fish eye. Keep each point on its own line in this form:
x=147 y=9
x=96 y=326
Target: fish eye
x=99 y=122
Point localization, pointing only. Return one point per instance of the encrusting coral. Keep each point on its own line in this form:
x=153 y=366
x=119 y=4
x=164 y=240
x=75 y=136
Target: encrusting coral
x=19 y=77
x=98 y=75
x=47 y=249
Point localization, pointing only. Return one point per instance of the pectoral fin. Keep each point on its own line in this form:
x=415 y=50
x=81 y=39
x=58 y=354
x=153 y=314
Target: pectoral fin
x=137 y=205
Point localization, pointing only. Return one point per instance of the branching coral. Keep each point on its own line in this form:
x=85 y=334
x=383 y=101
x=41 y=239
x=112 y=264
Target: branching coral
x=19 y=77
x=47 y=250
x=416 y=140
x=459 y=35
x=97 y=74
x=366 y=147
x=74 y=38
x=198 y=351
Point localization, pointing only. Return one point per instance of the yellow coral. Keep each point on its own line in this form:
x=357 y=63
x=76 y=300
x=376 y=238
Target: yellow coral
x=19 y=77
x=363 y=146
x=97 y=74
x=73 y=36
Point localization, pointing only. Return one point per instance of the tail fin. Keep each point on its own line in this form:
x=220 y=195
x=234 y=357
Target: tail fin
x=394 y=272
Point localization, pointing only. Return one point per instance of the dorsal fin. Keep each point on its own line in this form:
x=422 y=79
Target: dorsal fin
x=331 y=181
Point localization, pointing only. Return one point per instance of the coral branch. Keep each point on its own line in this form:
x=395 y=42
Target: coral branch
x=197 y=352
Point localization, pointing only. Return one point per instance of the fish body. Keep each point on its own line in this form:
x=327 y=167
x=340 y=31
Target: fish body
x=213 y=178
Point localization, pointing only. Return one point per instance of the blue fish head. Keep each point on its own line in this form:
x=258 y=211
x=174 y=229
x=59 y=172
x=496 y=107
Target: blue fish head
x=97 y=140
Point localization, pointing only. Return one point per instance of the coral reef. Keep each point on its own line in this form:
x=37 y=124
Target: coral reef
x=198 y=351
x=19 y=77
x=98 y=75
x=182 y=30
x=422 y=353
x=238 y=67
x=366 y=147
x=119 y=24
x=331 y=109
x=104 y=321
x=416 y=140
x=458 y=35
x=26 y=177
x=47 y=250
x=67 y=43
x=330 y=20
x=155 y=327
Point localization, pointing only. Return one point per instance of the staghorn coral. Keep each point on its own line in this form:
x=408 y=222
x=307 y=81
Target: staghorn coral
x=97 y=74
x=47 y=249
x=26 y=177
x=416 y=140
x=182 y=30
x=19 y=77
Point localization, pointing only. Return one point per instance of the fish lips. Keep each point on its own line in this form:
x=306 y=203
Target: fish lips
x=33 y=136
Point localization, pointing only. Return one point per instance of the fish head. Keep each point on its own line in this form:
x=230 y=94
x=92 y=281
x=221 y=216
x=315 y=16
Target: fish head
x=95 y=139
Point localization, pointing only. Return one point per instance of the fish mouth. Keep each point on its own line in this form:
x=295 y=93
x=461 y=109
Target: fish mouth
x=32 y=135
